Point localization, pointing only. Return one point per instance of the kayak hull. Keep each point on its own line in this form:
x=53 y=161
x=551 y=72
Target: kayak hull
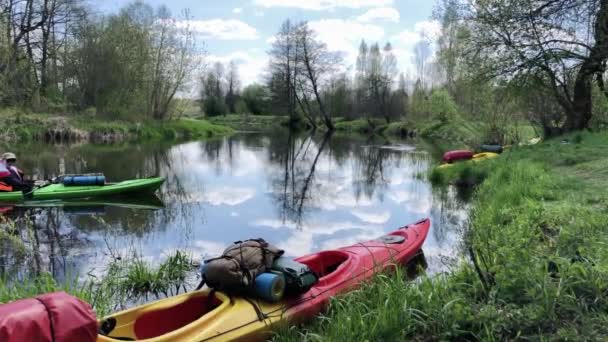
x=452 y=156
x=241 y=319
x=476 y=158
x=60 y=191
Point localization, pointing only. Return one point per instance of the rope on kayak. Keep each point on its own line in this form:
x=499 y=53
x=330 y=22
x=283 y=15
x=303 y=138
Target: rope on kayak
x=285 y=308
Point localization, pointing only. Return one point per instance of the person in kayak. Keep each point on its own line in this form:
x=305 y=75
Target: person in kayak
x=15 y=181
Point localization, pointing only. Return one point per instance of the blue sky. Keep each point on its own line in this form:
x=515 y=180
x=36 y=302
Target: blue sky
x=242 y=30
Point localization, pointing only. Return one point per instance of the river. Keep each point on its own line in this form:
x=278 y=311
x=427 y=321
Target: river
x=302 y=193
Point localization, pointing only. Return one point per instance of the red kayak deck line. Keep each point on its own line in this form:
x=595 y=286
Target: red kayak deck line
x=355 y=264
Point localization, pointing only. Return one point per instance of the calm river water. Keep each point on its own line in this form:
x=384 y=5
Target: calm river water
x=302 y=193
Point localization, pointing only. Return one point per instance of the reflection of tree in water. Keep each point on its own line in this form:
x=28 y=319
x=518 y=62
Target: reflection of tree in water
x=449 y=214
x=298 y=159
x=369 y=171
x=35 y=241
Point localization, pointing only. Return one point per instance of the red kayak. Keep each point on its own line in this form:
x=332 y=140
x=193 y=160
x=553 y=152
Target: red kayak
x=343 y=269
x=207 y=315
x=457 y=155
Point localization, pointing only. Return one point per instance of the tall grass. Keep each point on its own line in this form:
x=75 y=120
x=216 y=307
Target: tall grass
x=135 y=278
x=126 y=281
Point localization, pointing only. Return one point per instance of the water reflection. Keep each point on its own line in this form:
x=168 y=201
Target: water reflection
x=302 y=192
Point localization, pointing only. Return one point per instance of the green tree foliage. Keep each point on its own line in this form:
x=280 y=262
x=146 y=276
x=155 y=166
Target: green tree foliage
x=131 y=64
x=561 y=46
x=215 y=106
x=257 y=99
x=441 y=105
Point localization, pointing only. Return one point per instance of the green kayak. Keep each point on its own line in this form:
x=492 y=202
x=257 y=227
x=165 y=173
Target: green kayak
x=60 y=191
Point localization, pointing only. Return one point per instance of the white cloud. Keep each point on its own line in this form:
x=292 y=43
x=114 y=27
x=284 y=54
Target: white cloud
x=404 y=42
x=345 y=35
x=251 y=65
x=228 y=196
x=222 y=29
x=237 y=10
x=320 y=5
x=381 y=13
x=429 y=29
x=375 y=217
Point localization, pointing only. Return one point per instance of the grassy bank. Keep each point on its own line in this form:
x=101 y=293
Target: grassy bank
x=537 y=267
x=20 y=126
x=124 y=281
x=251 y=123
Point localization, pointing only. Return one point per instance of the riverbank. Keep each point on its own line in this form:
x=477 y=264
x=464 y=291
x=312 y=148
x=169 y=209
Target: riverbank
x=536 y=267
x=455 y=133
x=251 y=123
x=20 y=126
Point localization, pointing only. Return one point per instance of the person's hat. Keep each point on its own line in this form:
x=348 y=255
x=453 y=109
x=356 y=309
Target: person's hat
x=9 y=155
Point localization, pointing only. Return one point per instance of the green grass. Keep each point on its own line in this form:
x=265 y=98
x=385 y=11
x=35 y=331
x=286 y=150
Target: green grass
x=125 y=280
x=21 y=126
x=536 y=269
x=452 y=134
x=247 y=123
x=135 y=278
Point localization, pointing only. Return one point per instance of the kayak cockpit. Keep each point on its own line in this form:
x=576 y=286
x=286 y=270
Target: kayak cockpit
x=326 y=264
x=161 y=318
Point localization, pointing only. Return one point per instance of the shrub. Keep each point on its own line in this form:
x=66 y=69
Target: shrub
x=442 y=106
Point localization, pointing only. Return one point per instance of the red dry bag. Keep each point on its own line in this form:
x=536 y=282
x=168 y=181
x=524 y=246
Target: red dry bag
x=453 y=156
x=51 y=317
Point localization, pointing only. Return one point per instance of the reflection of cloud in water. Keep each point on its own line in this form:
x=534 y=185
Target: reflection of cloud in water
x=301 y=241
x=224 y=196
x=298 y=244
x=234 y=214
x=350 y=240
x=420 y=205
x=399 y=148
x=377 y=217
x=206 y=248
x=400 y=196
x=343 y=199
x=319 y=228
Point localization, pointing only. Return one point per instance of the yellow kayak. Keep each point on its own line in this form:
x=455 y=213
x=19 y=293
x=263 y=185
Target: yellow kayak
x=476 y=158
x=195 y=316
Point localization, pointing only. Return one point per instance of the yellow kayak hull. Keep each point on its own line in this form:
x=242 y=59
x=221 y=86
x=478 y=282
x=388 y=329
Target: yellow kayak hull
x=196 y=317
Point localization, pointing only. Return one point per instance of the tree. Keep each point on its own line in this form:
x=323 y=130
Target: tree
x=172 y=61
x=450 y=42
x=561 y=44
x=361 y=79
x=317 y=65
x=422 y=51
x=233 y=85
x=212 y=91
x=282 y=69
x=257 y=98
x=399 y=100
